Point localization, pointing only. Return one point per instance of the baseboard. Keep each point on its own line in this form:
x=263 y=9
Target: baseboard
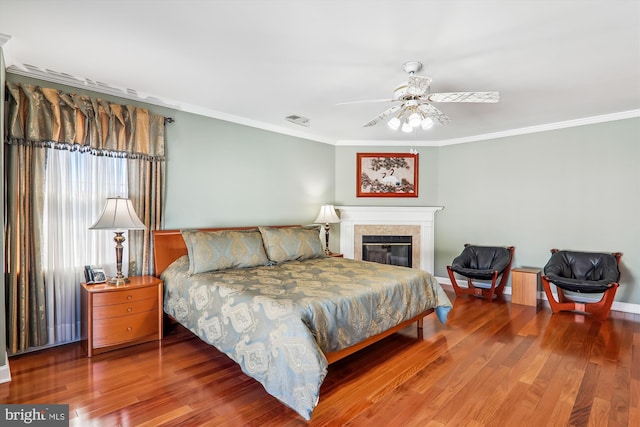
x=624 y=307
x=5 y=371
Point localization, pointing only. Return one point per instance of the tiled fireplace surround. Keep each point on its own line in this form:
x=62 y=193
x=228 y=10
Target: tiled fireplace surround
x=414 y=221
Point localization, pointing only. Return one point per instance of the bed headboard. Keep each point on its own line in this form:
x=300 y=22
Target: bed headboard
x=168 y=245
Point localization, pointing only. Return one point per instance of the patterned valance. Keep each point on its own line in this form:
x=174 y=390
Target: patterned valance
x=49 y=117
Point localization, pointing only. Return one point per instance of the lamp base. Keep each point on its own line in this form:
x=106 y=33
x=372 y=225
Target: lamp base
x=119 y=281
x=328 y=252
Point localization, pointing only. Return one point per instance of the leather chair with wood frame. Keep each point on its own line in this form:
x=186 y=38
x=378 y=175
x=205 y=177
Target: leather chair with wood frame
x=482 y=263
x=582 y=273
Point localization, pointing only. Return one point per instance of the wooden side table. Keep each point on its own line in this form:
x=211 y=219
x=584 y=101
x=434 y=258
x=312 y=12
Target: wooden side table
x=119 y=316
x=525 y=283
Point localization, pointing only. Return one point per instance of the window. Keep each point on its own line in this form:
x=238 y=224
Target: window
x=76 y=186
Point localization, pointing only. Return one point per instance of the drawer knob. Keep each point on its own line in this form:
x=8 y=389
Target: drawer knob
x=129 y=309
x=129 y=328
x=129 y=296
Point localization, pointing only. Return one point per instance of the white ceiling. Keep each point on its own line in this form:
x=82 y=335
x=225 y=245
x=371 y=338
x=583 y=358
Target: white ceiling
x=256 y=62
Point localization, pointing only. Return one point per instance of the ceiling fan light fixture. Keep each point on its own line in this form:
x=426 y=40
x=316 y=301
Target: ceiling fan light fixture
x=394 y=123
x=414 y=120
x=415 y=102
x=427 y=123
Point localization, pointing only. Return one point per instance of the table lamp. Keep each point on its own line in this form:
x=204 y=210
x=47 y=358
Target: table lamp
x=327 y=216
x=118 y=215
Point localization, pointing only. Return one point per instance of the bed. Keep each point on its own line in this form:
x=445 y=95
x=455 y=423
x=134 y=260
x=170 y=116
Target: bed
x=271 y=300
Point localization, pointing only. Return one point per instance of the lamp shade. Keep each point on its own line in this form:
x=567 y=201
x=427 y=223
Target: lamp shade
x=327 y=215
x=118 y=214
x=406 y=128
x=414 y=120
x=394 y=123
x=427 y=123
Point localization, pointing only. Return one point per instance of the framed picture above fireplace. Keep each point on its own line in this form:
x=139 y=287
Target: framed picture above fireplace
x=386 y=175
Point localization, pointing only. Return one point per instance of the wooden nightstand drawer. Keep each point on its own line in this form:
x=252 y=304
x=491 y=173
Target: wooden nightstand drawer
x=126 y=295
x=126 y=309
x=122 y=329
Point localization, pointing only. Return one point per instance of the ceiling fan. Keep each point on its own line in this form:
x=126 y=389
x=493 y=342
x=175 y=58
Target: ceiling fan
x=413 y=100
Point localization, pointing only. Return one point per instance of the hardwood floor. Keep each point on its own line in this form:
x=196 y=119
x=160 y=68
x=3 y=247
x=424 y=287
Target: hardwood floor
x=492 y=364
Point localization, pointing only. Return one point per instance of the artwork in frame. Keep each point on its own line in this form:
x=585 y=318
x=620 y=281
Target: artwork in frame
x=387 y=175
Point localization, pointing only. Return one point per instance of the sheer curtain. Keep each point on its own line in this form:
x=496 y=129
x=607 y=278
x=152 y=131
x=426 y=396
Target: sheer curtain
x=64 y=154
x=76 y=186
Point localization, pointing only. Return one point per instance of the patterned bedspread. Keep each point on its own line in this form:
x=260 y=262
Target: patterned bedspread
x=277 y=321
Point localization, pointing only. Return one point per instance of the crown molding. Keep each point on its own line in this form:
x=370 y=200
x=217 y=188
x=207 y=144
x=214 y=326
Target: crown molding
x=253 y=123
x=95 y=86
x=4 y=38
x=68 y=80
x=386 y=143
x=7 y=50
x=503 y=134
x=545 y=127
x=87 y=84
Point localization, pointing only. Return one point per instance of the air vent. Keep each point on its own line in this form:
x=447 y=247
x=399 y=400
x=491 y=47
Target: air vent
x=299 y=120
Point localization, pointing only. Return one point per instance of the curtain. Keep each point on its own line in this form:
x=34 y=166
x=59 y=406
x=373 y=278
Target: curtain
x=76 y=186
x=25 y=306
x=146 y=190
x=39 y=121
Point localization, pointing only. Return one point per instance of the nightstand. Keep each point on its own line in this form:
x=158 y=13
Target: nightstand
x=525 y=283
x=120 y=316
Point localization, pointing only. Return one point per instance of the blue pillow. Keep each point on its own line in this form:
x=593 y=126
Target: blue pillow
x=221 y=250
x=292 y=243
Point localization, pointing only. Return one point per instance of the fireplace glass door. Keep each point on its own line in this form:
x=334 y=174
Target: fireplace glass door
x=395 y=250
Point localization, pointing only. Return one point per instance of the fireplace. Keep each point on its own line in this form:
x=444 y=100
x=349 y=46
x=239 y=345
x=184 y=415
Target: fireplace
x=394 y=250
x=415 y=221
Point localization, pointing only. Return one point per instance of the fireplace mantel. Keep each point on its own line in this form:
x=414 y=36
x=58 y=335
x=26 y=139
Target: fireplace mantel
x=385 y=219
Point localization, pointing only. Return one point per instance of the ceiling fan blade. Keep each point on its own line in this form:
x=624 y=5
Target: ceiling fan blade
x=382 y=115
x=418 y=85
x=437 y=115
x=368 y=100
x=464 y=97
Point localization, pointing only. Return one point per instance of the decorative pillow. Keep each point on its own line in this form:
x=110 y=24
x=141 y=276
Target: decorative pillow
x=220 y=250
x=292 y=243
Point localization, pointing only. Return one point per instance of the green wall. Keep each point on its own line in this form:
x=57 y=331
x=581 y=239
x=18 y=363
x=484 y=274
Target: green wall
x=574 y=188
x=225 y=174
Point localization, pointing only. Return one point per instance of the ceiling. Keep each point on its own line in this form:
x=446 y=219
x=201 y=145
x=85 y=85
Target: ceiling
x=555 y=63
